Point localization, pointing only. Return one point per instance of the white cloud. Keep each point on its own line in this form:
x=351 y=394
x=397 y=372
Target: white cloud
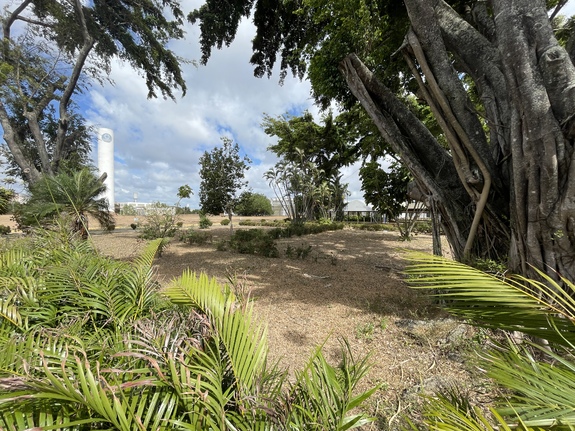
x=158 y=142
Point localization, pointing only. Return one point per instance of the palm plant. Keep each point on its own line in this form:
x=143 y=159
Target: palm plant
x=77 y=194
x=88 y=343
x=541 y=391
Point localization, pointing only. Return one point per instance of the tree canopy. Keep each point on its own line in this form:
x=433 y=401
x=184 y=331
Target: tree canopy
x=222 y=173
x=253 y=204
x=496 y=161
x=58 y=47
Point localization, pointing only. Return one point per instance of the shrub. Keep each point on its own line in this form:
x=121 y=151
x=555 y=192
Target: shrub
x=249 y=223
x=160 y=222
x=205 y=222
x=254 y=241
x=194 y=237
x=225 y=222
x=128 y=210
x=423 y=227
x=133 y=226
x=4 y=230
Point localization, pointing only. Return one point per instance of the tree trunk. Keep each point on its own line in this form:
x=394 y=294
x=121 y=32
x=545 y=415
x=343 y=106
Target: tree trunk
x=514 y=184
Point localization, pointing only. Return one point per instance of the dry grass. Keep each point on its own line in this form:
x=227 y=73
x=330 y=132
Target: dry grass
x=349 y=285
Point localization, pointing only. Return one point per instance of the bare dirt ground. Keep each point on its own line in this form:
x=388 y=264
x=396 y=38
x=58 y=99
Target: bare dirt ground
x=349 y=285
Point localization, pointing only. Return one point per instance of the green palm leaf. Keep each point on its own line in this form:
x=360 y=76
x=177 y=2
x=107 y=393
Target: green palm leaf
x=541 y=310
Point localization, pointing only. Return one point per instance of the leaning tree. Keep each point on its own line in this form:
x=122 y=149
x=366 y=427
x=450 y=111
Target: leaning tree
x=51 y=50
x=499 y=170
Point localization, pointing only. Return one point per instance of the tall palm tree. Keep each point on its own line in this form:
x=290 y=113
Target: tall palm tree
x=541 y=386
x=76 y=194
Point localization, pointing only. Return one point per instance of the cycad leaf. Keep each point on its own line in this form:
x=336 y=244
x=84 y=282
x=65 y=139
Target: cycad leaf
x=490 y=301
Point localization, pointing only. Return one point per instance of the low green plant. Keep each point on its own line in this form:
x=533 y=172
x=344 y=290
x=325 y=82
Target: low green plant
x=536 y=378
x=4 y=230
x=205 y=222
x=254 y=241
x=160 y=222
x=192 y=236
x=225 y=222
x=90 y=343
x=303 y=251
x=365 y=331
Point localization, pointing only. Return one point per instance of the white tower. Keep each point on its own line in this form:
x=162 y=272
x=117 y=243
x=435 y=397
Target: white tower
x=106 y=162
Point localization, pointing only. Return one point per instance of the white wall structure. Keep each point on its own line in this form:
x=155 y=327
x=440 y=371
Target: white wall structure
x=106 y=162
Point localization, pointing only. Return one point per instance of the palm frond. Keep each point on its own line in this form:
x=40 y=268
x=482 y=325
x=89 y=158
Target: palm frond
x=324 y=395
x=543 y=391
x=519 y=304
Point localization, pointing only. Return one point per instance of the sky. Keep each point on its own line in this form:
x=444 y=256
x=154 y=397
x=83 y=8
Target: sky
x=158 y=142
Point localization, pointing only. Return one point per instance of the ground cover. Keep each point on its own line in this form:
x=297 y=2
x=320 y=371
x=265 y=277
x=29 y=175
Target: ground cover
x=349 y=284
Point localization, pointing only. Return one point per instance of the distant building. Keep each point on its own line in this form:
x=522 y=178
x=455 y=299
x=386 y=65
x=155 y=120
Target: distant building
x=358 y=209
x=138 y=208
x=277 y=208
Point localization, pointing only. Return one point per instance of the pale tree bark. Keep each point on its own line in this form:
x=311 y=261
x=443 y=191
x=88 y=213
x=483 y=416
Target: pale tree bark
x=511 y=159
x=53 y=87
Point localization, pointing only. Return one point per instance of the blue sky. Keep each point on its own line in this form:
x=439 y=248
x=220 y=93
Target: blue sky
x=158 y=142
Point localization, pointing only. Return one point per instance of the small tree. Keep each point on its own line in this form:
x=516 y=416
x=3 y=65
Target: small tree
x=162 y=220
x=76 y=194
x=253 y=204
x=388 y=193
x=222 y=172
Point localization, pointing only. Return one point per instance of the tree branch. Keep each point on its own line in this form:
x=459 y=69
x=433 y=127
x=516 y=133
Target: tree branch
x=13 y=16
x=73 y=82
x=32 y=174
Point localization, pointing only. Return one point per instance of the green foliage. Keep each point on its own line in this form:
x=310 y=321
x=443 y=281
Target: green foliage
x=307 y=178
x=192 y=236
x=4 y=230
x=226 y=222
x=129 y=210
x=538 y=378
x=386 y=191
x=160 y=222
x=253 y=204
x=6 y=196
x=222 y=174
x=205 y=222
x=92 y=343
x=75 y=195
x=254 y=241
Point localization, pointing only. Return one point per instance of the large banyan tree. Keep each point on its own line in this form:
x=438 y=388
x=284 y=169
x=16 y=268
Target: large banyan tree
x=497 y=165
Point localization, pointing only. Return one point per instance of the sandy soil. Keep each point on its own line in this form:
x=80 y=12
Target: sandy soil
x=349 y=285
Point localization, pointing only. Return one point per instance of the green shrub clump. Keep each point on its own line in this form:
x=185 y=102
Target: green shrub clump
x=205 y=222
x=225 y=222
x=254 y=241
x=194 y=237
x=4 y=230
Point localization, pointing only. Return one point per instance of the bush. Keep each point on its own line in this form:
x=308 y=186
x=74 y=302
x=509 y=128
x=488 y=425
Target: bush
x=205 y=222
x=249 y=223
x=133 y=226
x=4 y=230
x=128 y=210
x=225 y=222
x=423 y=227
x=160 y=222
x=194 y=237
x=254 y=241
